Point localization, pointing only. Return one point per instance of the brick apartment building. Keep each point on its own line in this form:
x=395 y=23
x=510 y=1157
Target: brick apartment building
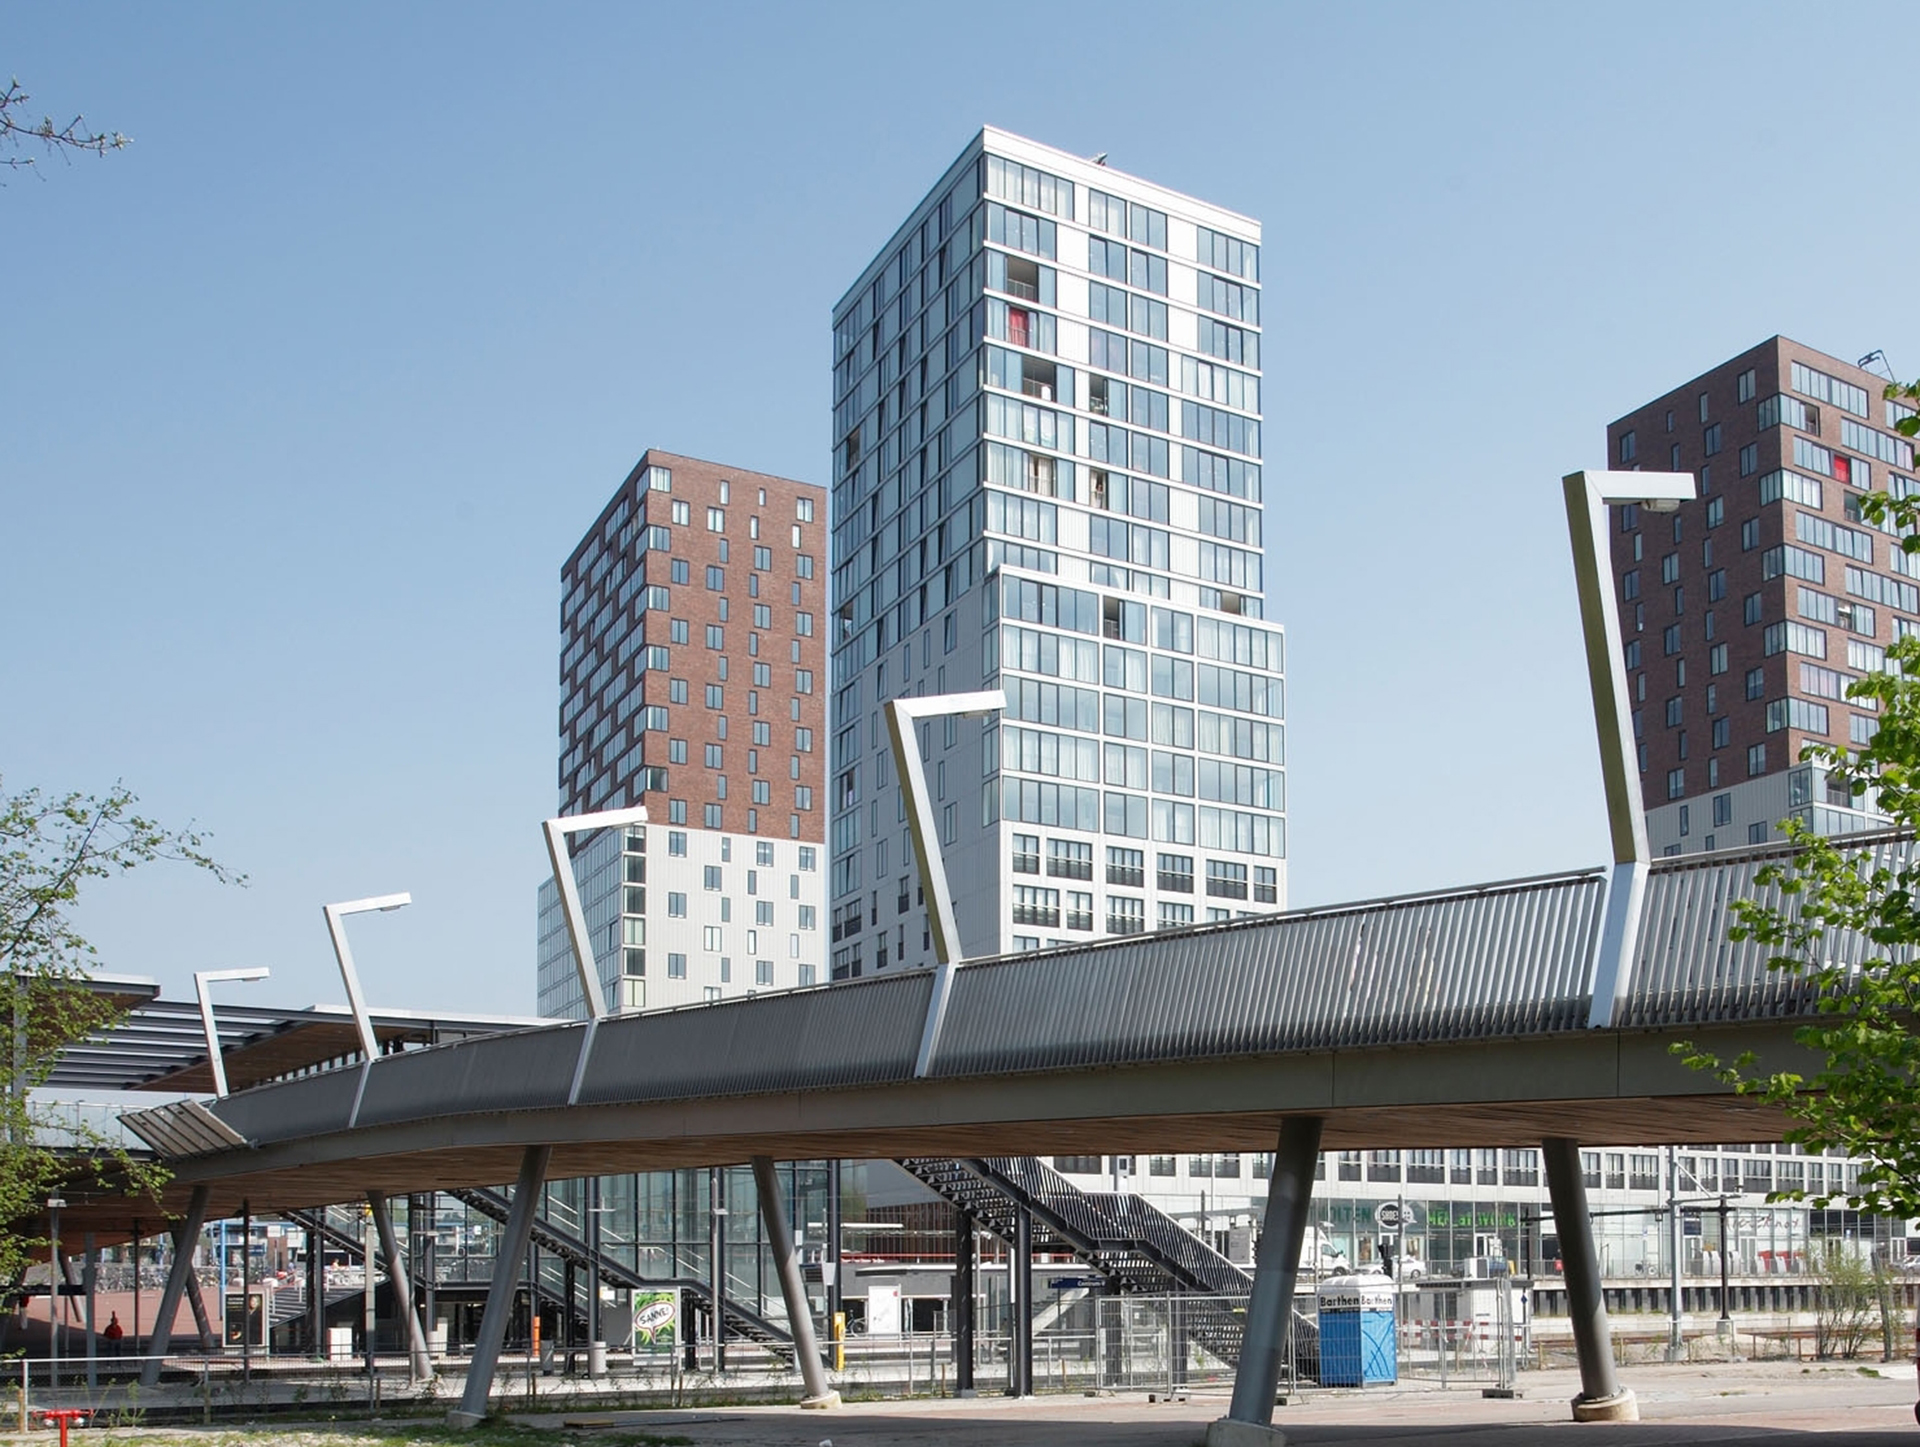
x=1748 y=612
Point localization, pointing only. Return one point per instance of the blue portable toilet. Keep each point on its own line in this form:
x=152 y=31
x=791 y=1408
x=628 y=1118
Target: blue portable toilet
x=1357 y=1332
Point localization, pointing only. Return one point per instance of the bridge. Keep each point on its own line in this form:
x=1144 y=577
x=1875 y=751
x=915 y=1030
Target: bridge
x=1457 y=1017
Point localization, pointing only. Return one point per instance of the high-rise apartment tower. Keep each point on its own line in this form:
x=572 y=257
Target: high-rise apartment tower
x=1047 y=478
x=1747 y=613
x=693 y=681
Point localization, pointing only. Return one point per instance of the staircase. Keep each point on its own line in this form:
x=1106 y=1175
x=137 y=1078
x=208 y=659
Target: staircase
x=1138 y=1248
x=742 y=1321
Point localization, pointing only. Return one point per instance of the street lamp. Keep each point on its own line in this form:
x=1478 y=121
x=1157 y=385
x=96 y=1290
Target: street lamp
x=201 y=980
x=1588 y=495
x=556 y=832
x=336 y=914
x=902 y=715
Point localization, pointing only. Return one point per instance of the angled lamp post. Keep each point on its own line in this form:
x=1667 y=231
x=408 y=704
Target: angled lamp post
x=202 y=979
x=1588 y=495
x=902 y=715
x=555 y=831
x=337 y=929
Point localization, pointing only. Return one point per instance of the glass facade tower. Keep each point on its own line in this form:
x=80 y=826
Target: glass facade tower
x=1047 y=479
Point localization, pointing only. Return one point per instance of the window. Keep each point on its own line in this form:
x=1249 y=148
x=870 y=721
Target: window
x=1226 y=879
x=1743 y=386
x=1676 y=783
x=710 y=939
x=716 y=696
x=1175 y=916
x=1069 y=859
x=1628 y=446
x=1750 y=608
x=1722 y=810
x=677 y=844
x=1750 y=459
x=1756 y=766
x=1266 y=885
x=1749 y=535
x=1711 y=439
x=1756 y=683
x=676 y=906
x=1175 y=873
x=1126 y=867
x=1126 y=916
x=676 y=967
x=1026 y=854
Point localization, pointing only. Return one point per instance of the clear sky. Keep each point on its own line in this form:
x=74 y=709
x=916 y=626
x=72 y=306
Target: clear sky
x=305 y=397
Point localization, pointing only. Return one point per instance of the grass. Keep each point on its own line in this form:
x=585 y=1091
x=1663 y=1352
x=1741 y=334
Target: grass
x=405 y=1434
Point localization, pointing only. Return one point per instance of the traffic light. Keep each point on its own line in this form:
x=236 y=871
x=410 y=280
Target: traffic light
x=1387 y=1245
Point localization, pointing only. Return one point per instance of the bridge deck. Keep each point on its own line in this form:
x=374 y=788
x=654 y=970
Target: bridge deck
x=1457 y=1017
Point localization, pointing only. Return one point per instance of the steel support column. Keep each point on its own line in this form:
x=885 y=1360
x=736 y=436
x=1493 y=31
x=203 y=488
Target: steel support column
x=1276 y=1268
x=401 y=1284
x=1601 y=1398
x=178 y=1275
x=316 y=1293
x=806 y=1347
x=963 y=1289
x=1020 y=1306
x=493 y=1320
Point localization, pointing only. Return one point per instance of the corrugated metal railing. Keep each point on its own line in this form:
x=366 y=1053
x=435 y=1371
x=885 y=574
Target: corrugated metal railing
x=1513 y=958
x=1689 y=972
x=1503 y=960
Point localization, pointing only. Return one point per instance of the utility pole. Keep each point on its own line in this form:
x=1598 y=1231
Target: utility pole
x=1676 y=1334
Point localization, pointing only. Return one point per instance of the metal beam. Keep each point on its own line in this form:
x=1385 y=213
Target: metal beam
x=806 y=1346
x=1601 y=1398
x=555 y=832
x=493 y=1319
x=419 y=1359
x=964 y=1253
x=1276 y=1269
x=185 y=1235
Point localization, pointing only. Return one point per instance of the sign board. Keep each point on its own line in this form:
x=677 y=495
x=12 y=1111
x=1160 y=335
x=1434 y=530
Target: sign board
x=1071 y=1283
x=656 y=1320
x=1389 y=1215
x=883 y=1311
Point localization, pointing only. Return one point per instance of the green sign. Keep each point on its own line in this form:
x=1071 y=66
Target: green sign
x=656 y=1314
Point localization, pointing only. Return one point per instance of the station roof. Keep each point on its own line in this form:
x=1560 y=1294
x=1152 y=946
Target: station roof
x=161 y=1045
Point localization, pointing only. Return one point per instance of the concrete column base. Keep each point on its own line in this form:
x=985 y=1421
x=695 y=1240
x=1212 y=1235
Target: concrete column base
x=464 y=1421
x=1228 y=1433
x=825 y=1402
x=1620 y=1407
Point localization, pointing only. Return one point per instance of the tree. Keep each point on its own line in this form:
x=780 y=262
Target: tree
x=50 y=847
x=19 y=132
x=1865 y=1098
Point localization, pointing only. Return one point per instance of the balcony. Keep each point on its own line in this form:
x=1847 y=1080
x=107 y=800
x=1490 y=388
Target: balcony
x=1026 y=863
x=1131 y=875
x=1037 y=914
x=1126 y=924
x=1174 y=883
x=1080 y=919
x=1063 y=868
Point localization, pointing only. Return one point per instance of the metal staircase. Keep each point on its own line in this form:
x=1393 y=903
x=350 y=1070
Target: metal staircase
x=742 y=1320
x=1137 y=1247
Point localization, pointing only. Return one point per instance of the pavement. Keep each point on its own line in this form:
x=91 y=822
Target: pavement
x=1730 y=1404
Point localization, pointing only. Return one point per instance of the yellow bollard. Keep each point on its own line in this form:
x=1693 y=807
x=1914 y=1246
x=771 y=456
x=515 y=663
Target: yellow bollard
x=839 y=1341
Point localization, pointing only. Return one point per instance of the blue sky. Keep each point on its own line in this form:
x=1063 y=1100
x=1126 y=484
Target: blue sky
x=307 y=394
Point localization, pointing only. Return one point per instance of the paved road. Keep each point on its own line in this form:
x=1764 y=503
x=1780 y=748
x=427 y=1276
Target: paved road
x=1748 y=1403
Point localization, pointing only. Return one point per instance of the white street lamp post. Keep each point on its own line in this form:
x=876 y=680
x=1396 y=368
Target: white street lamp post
x=201 y=980
x=336 y=928
x=1588 y=495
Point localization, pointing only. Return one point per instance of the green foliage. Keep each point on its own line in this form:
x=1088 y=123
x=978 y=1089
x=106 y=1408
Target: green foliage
x=1865 y=1098
x=50 y=848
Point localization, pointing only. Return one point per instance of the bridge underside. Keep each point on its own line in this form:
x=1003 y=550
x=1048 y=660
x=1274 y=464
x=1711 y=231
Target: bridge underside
x=1608 y=1087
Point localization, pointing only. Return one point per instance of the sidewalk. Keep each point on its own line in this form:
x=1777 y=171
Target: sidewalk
x=1749 y=1402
